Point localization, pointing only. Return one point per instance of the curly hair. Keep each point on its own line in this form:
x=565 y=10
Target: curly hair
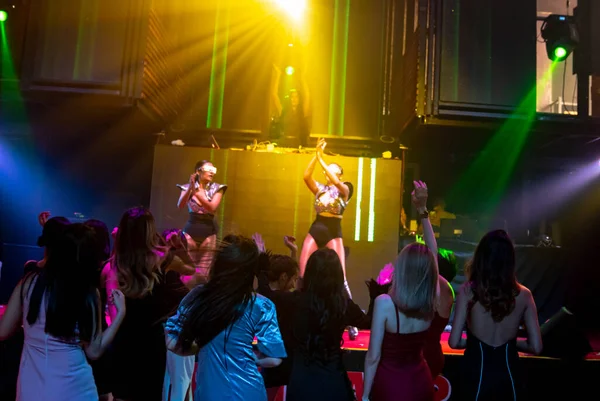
x=139 y=253
x=328 y=301
x=491 y=274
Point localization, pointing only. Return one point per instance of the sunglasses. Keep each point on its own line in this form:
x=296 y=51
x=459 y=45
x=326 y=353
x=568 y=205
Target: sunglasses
x=209 y=169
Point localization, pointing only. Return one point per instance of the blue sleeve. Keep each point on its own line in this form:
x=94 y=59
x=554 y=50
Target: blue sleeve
x=175 y=323
x=269 y=341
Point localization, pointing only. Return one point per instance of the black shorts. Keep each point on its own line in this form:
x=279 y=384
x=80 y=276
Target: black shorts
x=324 y=229
x=200 y=227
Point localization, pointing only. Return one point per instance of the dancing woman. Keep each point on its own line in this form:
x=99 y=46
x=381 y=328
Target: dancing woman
x=331 y=200
x=202 y=197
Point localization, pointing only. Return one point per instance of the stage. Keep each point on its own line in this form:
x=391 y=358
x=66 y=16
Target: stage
x=266 y=193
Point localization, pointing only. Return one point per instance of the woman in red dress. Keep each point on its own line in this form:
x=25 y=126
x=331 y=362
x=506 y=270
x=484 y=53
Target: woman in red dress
x=395 y=368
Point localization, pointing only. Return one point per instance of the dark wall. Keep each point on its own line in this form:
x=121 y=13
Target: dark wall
x=68 y=160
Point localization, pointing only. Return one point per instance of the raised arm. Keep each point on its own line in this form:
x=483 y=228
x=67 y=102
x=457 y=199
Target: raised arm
x=211 y=205
x=533 y=344
x=308 y=176
x=187 y=192
x=275 y=79
x=333 y=178
x=290 y=243
x=101 y=340
x=305 y=95
x=419 y=198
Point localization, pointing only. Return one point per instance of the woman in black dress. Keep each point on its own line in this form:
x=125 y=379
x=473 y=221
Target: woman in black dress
x=321 y=310
x=139 y=269
x=493 y=304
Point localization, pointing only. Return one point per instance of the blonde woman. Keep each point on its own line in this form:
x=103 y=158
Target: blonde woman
x=138 y=268
x=395 y=368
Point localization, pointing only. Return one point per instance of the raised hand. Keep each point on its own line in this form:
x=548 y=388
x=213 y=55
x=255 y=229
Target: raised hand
x=290 y=242
x=43 y=218
x=192 y=181
x=260 y=243
x=419 y=196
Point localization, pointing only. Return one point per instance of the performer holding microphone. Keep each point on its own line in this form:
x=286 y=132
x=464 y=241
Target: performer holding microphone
x=202 y=197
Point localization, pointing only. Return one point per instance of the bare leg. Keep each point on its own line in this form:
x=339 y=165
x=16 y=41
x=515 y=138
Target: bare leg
x=202 y=256
x=337 y=244
x=308 y=248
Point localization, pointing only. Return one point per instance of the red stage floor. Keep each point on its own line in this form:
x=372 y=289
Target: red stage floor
x=362 y=344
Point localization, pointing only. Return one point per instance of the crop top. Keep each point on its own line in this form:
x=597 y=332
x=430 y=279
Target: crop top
x=211 y=190
x=337 y=205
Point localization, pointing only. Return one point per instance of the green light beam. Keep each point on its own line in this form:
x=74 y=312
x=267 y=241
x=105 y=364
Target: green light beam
x=216 y=94
x=339 y=58
x=489 y=175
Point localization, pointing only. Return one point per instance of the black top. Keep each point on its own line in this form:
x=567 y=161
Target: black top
x=139 y=346
x=328 y=379
x=295 y=124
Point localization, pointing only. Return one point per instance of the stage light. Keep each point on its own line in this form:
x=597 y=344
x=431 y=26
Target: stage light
x=290 y=45
x=294 y=8
x=289 y=70
x=3 y=16
x=560 y=52
x=561 y=36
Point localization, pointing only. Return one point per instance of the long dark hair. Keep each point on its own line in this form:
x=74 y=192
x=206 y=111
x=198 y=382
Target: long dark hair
x=52 y=230
x=328 y=301
x=223 y=300
x=102 y=238
x=491 y=273
x=70 y=281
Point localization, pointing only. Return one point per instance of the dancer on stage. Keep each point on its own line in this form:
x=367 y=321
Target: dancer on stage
x=331 y=200
x=202 y=197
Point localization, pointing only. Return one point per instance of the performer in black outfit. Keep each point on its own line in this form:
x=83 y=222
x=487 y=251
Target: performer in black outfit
x=202 y=197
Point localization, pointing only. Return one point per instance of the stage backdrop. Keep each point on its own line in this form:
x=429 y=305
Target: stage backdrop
x=267 y=194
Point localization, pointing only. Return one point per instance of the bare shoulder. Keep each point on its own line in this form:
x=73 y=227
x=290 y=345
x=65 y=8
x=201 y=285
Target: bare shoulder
x=525 y=294
x=384 y=301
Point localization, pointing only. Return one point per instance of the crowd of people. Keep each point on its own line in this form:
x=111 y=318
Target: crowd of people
x=133 y=322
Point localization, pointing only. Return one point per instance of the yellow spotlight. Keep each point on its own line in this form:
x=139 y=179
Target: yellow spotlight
x=289 y=70
x=294 y=8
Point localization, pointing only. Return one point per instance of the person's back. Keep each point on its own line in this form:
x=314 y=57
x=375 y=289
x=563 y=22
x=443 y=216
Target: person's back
x=496 y=334
x=490 y=369
x=402 y=364
x=395 y=368
x=492 y=304
x=226 y=365
x=54 y=367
